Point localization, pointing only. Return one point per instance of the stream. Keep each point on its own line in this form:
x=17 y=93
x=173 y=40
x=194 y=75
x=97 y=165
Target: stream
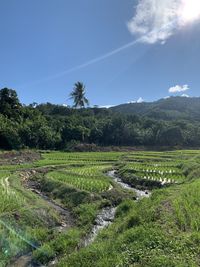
x=103 y=219
x=140 y=193
x=107 y=215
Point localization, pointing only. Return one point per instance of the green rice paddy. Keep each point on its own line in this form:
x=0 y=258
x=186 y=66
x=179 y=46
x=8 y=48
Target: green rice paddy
x=79 y=183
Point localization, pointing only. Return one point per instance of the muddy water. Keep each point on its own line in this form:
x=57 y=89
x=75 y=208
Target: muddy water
x=140 y=193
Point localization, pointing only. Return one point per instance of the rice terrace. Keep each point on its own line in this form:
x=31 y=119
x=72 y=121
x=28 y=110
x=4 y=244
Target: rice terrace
x=67 y=209
x=99 y=133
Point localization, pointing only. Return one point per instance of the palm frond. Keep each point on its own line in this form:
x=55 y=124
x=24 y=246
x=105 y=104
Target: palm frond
x=78 y=95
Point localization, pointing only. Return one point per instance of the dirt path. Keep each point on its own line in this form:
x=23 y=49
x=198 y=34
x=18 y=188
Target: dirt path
x=24 y=261
x=67 y=219
x=66 y=223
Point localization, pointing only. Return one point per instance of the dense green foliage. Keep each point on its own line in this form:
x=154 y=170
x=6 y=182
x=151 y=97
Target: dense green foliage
x=49 y=126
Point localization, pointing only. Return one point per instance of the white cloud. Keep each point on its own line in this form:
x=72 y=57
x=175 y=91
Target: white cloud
x=178 y=89
x=106 y=106
x=185 y=95
x=140 y=100
x=131 y=102
x=156 y=20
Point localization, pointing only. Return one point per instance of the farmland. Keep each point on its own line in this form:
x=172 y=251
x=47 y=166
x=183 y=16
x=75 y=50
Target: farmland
x=51 y=201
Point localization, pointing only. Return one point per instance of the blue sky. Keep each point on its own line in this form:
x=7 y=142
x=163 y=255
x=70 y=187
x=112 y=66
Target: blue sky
x=42 y=40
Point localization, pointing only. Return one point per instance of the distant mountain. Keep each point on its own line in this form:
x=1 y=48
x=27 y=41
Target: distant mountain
x=167 y=109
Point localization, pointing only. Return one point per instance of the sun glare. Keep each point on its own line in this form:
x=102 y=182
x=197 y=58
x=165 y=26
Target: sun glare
x=190 y=10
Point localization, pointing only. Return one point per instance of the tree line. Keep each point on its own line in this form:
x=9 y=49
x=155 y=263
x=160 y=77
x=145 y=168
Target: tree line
x=49 y=126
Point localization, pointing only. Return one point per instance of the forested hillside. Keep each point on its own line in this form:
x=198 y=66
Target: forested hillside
x=48 y=126
x=171 y=108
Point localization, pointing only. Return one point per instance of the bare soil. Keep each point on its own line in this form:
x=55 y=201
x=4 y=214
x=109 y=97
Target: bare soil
x=18 y=157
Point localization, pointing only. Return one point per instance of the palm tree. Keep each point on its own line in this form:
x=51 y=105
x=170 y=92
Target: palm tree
x=78 y=95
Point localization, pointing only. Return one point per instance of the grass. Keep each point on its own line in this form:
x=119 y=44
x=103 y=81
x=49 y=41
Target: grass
x=147 y=233
x=19 y=214
x=162 y=231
